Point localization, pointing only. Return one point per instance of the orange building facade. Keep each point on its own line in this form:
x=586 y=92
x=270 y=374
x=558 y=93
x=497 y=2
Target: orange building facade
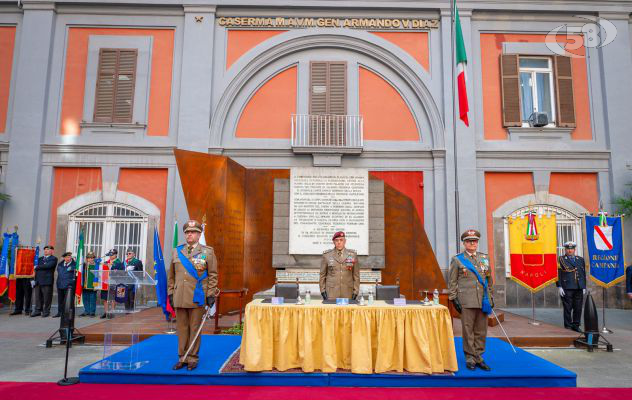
x=94 y=98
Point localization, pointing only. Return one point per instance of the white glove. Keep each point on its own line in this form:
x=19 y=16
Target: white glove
x=130 y=268
x=561 y=291
x=583 y=291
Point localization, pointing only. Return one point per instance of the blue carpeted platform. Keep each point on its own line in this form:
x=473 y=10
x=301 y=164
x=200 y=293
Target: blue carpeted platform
x=159 y=354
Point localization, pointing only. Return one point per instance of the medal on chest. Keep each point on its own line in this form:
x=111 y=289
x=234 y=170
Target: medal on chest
x=199 y=261
x=349 y=261
x=484 y=264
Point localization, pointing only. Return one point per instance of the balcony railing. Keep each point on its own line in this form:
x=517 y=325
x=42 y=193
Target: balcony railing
x=327 y=132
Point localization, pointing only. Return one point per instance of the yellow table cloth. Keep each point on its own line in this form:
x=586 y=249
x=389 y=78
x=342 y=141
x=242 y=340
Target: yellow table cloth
x=363 y=339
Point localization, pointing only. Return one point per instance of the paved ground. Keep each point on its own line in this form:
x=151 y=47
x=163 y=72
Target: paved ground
x=25 y=358
x=599 y=368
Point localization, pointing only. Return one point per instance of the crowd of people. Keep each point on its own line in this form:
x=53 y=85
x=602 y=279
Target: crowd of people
x=34 y=296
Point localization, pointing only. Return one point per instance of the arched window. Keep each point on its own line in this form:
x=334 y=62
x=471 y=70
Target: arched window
x=569 y=227
x=108 y=226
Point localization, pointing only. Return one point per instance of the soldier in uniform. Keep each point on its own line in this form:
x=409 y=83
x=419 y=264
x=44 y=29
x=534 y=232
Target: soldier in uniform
x=44 y=277
x=192 y=285
x=470 y=290
x=571 y=283
x=339 y=270
x=131 y=263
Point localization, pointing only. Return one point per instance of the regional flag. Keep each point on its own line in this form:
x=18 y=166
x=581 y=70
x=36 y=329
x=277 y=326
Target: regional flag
x=533 y=251
x=604 y=240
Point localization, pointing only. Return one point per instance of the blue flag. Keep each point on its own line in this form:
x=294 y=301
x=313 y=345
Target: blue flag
x=4 y=270
x=161 y=276
x=604 y=237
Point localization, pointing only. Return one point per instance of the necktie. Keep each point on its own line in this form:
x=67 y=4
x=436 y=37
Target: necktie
x=189 y=249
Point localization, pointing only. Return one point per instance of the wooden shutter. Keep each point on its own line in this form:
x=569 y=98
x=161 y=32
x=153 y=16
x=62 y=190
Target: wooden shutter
x=104 y=99
x=337 y=88
x=337 y=102
x=328 y=87
x=327 y=99
x=116 y=78
x=510 y=83
x=564 y=98
x=318 y=87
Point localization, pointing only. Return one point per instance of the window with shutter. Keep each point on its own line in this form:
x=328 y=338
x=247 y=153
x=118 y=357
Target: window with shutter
x=116 y=77
x=328 y=103
x=537 y=84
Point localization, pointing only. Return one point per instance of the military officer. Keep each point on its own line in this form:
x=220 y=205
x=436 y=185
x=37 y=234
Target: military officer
x=470 y=290
x=133 y=264
x=571 y=283
x=192 y=285
x=339 y=270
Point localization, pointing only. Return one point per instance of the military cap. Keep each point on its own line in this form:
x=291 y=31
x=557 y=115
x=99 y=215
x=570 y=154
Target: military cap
x=90 y=255
x=48 y=246
x=470 y=234
x=338 y=234
x=112 y=252
x=68 y=253
x=570 y=244
x=130 y=250
x=192 y=225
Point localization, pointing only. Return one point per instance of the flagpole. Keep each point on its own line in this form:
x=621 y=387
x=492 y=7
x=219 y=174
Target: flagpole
x=456 y=157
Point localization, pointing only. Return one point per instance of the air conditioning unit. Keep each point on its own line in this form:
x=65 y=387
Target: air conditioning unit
x=538 y=119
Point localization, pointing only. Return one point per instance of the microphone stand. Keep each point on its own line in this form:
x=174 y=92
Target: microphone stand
x=69 y=317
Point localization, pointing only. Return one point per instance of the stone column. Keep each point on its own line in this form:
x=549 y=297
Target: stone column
x=37 y=32
x=196 y=82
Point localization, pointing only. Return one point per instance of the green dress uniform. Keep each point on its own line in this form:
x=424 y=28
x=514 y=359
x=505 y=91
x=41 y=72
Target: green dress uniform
x=340 y=273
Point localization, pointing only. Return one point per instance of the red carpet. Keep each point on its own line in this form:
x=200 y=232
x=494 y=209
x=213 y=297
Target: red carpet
x=51 y=391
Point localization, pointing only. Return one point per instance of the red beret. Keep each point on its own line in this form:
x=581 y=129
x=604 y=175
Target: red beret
x=338 y=234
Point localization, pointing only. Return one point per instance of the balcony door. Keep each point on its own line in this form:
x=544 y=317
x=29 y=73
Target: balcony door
x=327 y=103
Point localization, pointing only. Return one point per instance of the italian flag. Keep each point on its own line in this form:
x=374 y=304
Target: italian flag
x=175 y=234
x=80 y=261
x=461 y=62
x=532 y=228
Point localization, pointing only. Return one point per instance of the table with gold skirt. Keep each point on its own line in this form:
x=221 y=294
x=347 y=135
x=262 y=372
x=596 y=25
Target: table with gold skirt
x=363 y=339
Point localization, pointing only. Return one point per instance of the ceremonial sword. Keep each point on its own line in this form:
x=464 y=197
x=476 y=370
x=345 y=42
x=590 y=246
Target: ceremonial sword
x=206 y=315
x=503 y=329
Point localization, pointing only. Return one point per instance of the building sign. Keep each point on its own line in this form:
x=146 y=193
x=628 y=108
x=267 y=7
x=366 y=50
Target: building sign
x=310 y=22
x=324 y=201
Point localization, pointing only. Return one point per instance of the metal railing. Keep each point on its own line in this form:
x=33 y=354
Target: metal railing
x=327 y=130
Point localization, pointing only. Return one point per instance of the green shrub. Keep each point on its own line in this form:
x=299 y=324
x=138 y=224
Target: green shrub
x=236 y=329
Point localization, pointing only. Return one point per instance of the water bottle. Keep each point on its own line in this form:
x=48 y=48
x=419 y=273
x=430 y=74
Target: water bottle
x=370 y=297
x=435 y=297
x=308 y=297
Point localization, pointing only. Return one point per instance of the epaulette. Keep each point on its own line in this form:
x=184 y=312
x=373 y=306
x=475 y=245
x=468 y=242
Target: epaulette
x=327 y=251
x=353 y=251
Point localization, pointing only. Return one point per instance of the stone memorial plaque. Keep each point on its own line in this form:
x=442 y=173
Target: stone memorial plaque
x=326 y=200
